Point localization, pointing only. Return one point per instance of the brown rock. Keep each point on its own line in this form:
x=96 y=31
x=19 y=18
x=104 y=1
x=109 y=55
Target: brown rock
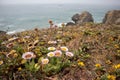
x=82 y=18
x=112 y=17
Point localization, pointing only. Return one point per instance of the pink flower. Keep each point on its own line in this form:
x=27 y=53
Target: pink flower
x=45 y=61
x=70 y=54
x=28 y=55
x=58 y=53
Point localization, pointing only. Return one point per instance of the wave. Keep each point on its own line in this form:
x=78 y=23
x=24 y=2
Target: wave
x=15 y=31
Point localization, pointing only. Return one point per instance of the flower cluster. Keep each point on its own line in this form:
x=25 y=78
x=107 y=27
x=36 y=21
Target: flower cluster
x=57 y=53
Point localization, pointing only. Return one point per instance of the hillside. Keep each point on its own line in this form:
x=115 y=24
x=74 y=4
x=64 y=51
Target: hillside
x=94 y=53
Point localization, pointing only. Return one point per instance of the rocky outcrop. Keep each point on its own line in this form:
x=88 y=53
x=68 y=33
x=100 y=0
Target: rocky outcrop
x=2 y=32
x=112 y=17
x=82 y=18
x=70 y=24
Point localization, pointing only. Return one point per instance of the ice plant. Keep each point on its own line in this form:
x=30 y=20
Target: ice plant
x=63 y=48
x=28 y=55
x=70 y=54
x=51 y=54
x=45 y=61
x=58 y=53
x=1 y=62
x=51 y=48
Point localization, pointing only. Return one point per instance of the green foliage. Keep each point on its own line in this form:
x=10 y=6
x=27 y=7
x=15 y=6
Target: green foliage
x=32 y=66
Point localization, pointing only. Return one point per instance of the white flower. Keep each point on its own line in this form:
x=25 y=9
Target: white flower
x=27 y=37
x=12 y=39
x=28 y=55
x=51 y=54
x=63 y=48
x=52 y=42
x=70 y=54
x=58 y=53
x=45 y=61
x=51 y=48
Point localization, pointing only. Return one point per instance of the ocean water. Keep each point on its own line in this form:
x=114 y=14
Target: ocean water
x=17 y=18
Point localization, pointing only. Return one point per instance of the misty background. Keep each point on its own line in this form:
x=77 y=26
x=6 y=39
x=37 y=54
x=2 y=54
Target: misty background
x=20 y=15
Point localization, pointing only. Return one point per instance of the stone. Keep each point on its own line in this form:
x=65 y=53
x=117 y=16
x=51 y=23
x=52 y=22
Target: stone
x=112 y=17
x=70 y=24
x=84 y=17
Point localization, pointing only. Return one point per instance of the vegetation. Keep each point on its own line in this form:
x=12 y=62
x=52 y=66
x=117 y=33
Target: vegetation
x=88 y=52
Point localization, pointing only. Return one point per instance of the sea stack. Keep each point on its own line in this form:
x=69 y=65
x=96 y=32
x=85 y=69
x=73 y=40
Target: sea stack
x=112 y=17
x=84 y=17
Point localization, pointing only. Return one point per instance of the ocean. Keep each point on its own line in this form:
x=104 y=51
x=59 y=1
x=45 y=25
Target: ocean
x=16 y=18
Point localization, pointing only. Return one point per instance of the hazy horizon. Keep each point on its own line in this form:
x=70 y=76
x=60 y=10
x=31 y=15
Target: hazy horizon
x=92 y=2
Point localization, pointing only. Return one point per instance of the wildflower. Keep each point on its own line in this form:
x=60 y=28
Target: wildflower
x=59 y=40
x=118 y=51
x=36 y=66
x=12 y=53
x=19 y=69
x=70 y=54
x=45 y=61
x=51 y=48
x=81 y=63
x=10 y=45
x=23 y=61
x=36 y=42
x=51 y=54
x=108 y=62
x=116 y=46
x=27 y=37
x=52 y=42
x=97 y=65
x=117 y=66
x=15 y=55
x=13 y=39
x=58 y=53
x=111 y=77
x=1 y=62
x=28 y=55
x=64 y=48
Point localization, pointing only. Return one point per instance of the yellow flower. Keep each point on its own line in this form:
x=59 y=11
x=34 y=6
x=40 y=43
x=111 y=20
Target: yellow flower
x=51 y=54
x=108 y=62
x=19 y=69
x=116 y=46
x=97 y=65
x=51 y=48
x=15 y=55
x=111 y=77
x=36 y=66
x=81 y=63
x=23 y=61
x=118 y=51
x=117 y=66
x=1 y=62
x=45 y=61
x=63 y=48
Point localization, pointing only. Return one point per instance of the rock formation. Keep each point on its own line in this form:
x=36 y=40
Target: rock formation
x=112 y=17
x=82 y=18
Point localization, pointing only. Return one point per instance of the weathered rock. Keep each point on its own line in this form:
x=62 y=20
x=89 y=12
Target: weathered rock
x=112 y=17
x=70 y=24
x=2 y=35
x=2 y=32
x=82 y=18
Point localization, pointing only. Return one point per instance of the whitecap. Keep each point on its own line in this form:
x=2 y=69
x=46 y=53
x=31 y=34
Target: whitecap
x=15 y=31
